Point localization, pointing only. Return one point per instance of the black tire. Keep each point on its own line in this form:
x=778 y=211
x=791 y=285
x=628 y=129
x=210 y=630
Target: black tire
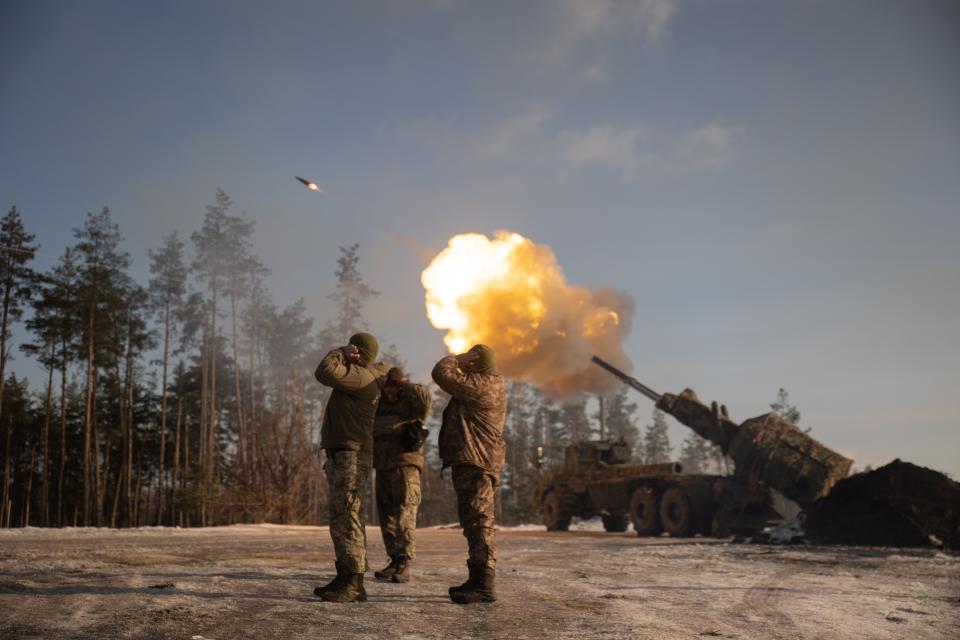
x=555 y=517
x=615 y=522
x=676 y=512
x=645 y=512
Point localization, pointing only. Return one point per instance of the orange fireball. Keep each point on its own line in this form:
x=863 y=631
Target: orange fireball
x=510 y=293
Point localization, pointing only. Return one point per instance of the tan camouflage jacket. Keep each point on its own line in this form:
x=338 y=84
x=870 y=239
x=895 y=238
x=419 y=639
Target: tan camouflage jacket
x=388 y=450
x=472 y=429
x=348 y=416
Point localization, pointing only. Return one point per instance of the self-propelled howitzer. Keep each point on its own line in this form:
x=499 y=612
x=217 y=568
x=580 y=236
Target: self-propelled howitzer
x=766 y=450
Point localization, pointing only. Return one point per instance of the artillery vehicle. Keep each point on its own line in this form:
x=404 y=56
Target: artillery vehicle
x=597 y=478
x=768 y=452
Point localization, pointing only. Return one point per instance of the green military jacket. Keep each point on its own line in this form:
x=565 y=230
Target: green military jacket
x=388 y=426
x=348 y=416
x=472 y=429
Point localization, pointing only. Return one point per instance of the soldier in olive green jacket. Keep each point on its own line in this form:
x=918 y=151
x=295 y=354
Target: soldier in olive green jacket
x=398 y=459
x=347 y=437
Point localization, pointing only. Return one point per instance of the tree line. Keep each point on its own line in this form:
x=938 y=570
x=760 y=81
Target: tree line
x=189 y=399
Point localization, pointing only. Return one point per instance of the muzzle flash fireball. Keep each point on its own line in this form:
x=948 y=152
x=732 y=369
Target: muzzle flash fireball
x=509 y=292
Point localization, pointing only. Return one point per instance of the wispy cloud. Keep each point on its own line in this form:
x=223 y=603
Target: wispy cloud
x=584 y=32
x=632 y=148
x=505 y=137
x=709 y=146
x=594 y=72
x=609 y=146
x=582 y=19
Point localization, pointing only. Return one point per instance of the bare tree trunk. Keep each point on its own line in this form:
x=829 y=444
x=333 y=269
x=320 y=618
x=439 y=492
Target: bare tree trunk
x=161 y=507
x=213 y=425
x=101 y=467
x=186 y=459
x=61 y=515
x=29 y=492
x=174 y=479
x=45 y=491
x=8 y=440
x=116 y=504
x=136 y=501
x=88 y=418
x=127 y=408
x=202 y=459
x=239 y=395
x=253 y=395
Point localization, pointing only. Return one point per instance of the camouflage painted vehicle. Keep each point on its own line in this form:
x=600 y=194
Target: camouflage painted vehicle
x=597 y=479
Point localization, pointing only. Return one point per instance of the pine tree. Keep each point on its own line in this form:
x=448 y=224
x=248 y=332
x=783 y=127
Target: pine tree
x=576 y=424
x=621 y=422
x=64 y=315
x=787 y=411
x=656 y=441
x=47 y=330
x=221 y=256
x=258 y=323
x=167 y=289
x=549 y=430
x=695 y=454
x=351 y=294
x=17 y=282
x=101 y=301
x=518 y=434
x=784 y=409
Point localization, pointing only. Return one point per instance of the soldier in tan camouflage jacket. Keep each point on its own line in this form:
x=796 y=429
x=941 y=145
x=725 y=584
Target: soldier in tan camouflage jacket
x=398 y=459
x=471 y=441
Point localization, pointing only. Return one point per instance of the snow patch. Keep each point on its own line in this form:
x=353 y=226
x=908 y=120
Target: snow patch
x=790 y=532
x=593 y=524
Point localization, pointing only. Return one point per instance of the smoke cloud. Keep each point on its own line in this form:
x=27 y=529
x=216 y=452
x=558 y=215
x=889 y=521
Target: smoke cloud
x=510 y=293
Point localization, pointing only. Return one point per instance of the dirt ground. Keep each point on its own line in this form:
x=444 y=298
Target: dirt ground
x=257 y=582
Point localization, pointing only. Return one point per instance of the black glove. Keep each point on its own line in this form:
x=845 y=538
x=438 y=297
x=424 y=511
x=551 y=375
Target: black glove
x=414 y=435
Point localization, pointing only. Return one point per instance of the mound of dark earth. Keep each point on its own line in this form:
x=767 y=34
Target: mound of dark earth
x=897 y=505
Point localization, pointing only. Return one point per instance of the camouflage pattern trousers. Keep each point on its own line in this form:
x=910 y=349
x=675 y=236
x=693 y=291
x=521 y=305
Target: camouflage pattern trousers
x=475 y=490
x=347 y=474
x=398 y=496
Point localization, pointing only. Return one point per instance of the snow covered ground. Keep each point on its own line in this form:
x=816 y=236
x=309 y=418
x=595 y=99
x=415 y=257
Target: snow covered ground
x=256 y=582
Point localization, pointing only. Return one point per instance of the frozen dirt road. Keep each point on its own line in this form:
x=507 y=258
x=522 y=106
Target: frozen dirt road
x=257 y=582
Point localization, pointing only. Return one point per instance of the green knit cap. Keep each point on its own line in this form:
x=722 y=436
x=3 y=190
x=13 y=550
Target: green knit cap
x=366 y=344
x=486 y=360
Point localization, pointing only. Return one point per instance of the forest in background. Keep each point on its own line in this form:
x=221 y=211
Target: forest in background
x=189 y=399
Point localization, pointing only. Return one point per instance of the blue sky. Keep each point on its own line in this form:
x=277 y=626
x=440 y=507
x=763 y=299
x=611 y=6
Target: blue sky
x=775 y=183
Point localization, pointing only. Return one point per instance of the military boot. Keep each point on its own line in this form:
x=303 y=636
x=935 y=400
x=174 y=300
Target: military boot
x=387 y=572
x=469 y=584
x=402 y=571
x=482 y=591
x=336 y=582
x=350 y=589
x=333 y=583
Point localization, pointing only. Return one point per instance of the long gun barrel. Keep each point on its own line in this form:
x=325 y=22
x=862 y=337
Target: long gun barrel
x=766 y=448
x=627 y=380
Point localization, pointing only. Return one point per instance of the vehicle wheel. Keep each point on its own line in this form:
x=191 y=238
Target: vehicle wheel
x=554 y=516
x=645 y=512
x=675 y=512
x=615 y=522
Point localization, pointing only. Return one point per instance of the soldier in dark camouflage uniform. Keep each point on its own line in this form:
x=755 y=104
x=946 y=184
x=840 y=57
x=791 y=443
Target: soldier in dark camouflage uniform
x=398 y=459
x=471 y=441
x=347 y=438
